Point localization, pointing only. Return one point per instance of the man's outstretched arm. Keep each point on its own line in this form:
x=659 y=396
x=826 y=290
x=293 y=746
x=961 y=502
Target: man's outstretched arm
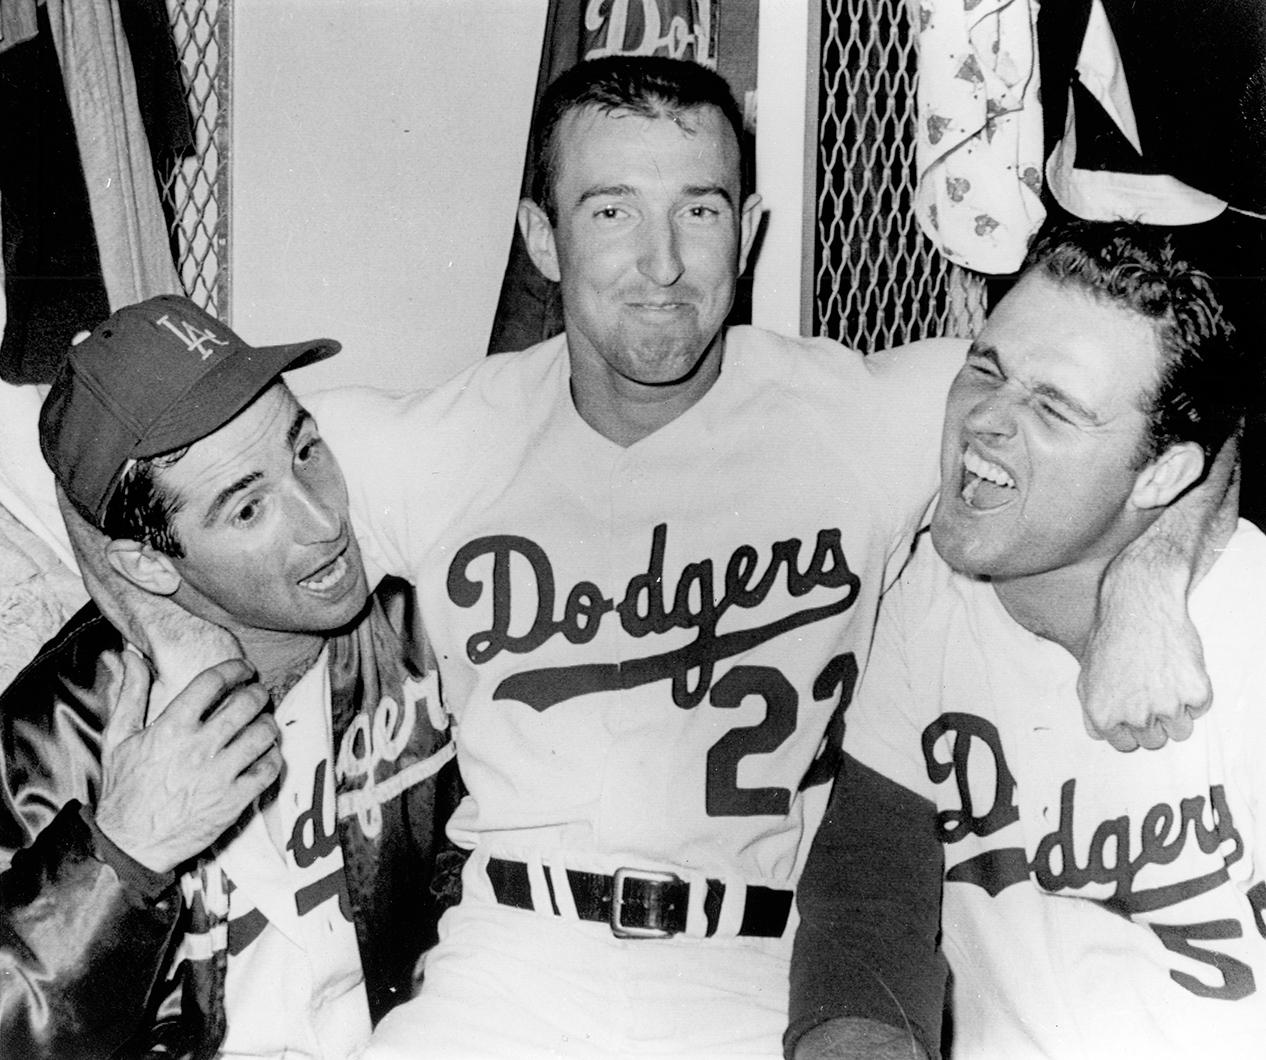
x=88 y=896
x=178 y=645
x=1143 y=679
x=867 y=979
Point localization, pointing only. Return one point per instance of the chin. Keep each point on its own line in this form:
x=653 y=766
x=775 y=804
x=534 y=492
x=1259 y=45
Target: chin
x=960 y=547
x=337 y=615
x=353 y=608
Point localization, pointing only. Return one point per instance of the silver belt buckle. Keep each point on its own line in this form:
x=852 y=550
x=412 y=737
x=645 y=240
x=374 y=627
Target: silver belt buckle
x=624 y=931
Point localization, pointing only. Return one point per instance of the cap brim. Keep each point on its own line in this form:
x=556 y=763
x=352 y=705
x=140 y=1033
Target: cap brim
x=225 y=390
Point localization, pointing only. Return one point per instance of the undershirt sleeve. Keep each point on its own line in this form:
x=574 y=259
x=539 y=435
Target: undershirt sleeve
x=869 y=904
x=870 y=895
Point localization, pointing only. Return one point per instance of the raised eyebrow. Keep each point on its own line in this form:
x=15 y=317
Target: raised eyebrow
x=302 y=418
x=227 y=494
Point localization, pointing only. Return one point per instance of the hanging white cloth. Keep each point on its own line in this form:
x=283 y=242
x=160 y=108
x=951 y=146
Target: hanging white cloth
x=39 y=580
x=27 y=490
x=979 y=144
x=131 y=231
x=1104 y=195
x=18 y=22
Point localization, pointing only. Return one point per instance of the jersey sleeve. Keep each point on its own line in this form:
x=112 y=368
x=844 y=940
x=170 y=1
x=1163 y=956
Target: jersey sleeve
x=884 y=727
x=381 y=441
x=911 y=383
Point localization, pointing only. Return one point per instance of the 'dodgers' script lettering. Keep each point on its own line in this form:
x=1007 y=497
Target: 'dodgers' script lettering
x=698 y=601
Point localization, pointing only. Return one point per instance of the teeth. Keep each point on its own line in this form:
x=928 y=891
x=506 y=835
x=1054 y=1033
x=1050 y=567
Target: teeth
x=982 y=468
x=333 y=577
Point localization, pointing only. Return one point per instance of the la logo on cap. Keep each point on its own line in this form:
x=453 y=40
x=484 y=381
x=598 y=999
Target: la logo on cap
x=191 y=336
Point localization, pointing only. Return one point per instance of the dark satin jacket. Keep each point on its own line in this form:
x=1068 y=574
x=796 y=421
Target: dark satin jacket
x=88 y=938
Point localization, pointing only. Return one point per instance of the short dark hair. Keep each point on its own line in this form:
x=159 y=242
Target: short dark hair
x=652 y=86
x=141 y=509
x=1201 y=393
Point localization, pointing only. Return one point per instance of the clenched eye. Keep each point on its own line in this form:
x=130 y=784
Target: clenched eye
x=1050 y=410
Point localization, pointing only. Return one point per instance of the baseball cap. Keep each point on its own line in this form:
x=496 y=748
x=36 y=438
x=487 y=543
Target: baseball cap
x=154 y=377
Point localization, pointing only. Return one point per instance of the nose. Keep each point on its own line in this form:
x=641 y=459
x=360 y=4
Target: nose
x=317 y=518
x=992 y=417
x=659 y=259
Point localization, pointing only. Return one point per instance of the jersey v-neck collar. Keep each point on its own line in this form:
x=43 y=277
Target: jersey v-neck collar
x=693 y=420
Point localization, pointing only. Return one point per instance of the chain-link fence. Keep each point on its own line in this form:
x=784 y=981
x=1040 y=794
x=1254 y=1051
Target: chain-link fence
x=878 y=281
x=197 y=188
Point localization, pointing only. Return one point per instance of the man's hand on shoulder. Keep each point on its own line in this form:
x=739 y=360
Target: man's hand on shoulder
x=172 y=788
x=858 y=1039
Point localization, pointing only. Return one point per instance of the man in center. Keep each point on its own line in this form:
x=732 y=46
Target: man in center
x=649 y=554
x=650 y=582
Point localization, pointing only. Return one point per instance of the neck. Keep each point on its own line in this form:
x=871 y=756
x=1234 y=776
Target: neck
x=1058 y=605
x=624 y=411
x=280 y=659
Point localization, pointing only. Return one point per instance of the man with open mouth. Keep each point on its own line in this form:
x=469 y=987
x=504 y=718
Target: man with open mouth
x=242 y=873
x=1088 y=903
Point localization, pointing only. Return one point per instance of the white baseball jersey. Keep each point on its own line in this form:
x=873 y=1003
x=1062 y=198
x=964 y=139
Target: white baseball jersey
x=294 y=984
x=1095 y=904
x=643 y=648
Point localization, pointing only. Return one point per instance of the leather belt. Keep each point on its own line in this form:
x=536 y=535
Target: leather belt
x=642 y=904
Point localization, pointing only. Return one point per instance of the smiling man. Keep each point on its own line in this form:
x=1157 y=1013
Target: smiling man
x=1091 y=904
x=649 y=553
x=245 y=872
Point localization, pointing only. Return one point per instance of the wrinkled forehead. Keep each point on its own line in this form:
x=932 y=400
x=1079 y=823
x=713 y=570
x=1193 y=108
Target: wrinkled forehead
x=266 y=415
x=1050 y=333
x=240 y=448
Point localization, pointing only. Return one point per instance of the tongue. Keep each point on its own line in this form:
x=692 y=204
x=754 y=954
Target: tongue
x=982 y=494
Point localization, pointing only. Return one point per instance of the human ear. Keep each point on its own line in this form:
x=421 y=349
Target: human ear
x=143 y=566
x=749 y=223
x=1170 y=475
x=538 y=236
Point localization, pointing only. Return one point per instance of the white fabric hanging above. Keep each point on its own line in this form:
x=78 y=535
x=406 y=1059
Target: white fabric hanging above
x=1105 y=195
x=979 y=146
x=131 y=231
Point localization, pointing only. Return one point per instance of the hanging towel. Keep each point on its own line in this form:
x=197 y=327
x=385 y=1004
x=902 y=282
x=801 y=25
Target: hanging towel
x=17 y=22
x=136 y=260
x=53 y=281
x=978 y=151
